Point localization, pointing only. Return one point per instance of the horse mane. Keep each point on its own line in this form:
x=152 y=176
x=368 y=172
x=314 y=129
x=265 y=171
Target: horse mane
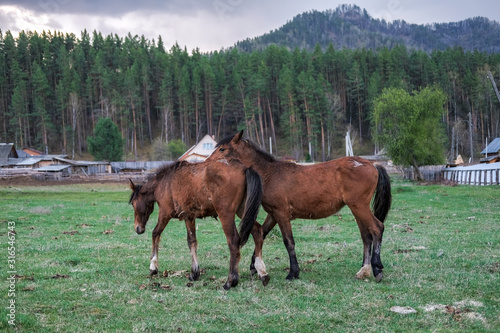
x=167 y=169
x=261 y=153
x=224 y=141
x=163 y=171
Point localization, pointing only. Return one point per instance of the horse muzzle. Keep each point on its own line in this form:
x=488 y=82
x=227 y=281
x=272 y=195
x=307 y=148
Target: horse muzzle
x=139 y=229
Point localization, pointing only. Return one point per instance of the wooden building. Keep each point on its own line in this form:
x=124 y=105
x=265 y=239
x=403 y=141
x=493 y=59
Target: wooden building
x=491 y=154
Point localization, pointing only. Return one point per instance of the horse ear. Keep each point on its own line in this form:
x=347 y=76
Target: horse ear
x=131 y=184
x=237 y=137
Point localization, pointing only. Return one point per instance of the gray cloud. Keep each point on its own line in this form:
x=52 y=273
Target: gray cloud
x=120 y=7
x=6 y=19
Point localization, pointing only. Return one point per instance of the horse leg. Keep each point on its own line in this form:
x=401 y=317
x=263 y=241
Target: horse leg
x=160 y=226
x=193 y=246
x=268 y=225
x=258 y=265
x=366 y=268
x=286 y=233
x=233 y=242
x=371 y=233
x=377 y=244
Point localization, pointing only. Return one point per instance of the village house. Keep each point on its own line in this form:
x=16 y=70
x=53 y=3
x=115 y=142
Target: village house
x=30 y=162
x=200 y=151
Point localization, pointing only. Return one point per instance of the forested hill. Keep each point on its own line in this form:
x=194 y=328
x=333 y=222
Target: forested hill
x=351 y=27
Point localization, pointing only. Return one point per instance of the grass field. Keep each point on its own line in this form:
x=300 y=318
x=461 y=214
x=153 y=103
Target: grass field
x=81 y=268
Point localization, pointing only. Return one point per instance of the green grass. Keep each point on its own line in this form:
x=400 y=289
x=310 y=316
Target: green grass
x=441 y=247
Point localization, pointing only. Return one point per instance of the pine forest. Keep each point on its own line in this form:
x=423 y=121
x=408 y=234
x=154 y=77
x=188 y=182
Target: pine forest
x=54 y=87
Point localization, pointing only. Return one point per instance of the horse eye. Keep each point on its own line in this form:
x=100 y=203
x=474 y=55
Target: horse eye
x=221 y=149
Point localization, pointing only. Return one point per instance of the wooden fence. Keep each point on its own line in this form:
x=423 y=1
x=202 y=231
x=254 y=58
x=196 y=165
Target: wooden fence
x=430 y=173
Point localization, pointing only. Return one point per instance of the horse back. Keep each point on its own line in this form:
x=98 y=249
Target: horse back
x=319 y=190
x=197 y=189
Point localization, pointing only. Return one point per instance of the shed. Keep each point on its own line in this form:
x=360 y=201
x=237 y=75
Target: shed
x=30 y=163
x=491 y=153
x=52 y=172
x=85 y=167
x=200 y=151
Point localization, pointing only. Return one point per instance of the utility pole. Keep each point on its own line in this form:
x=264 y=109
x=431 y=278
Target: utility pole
x=348 y=144
x=470 y=136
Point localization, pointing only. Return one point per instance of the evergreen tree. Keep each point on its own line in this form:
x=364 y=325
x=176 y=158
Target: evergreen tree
x=107 y=142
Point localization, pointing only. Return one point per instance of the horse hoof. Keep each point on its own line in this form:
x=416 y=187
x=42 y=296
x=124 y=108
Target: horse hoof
x=379 y=277
x=226 y=286
x=364 y=272
x=194 y=276
x=153 y=272
x=292 y=276
x=265 y=279
x=253 y=271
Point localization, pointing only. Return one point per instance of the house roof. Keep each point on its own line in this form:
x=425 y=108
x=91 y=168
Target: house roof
x=79 y=163
x=53 y=168
x=22 y=154
x=203 y=149
x=32 y=152
x=493 y=147
x=7 y=150
x=29 y=161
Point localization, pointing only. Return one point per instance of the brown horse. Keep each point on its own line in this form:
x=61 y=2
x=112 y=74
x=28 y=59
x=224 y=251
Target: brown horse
x=187 y=191
x=317 y=191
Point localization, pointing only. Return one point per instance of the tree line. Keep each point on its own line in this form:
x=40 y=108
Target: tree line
x=54 y=88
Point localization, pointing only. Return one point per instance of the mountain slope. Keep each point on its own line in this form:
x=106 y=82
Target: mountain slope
x=351 y=27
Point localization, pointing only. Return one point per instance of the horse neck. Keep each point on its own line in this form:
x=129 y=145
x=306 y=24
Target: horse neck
x=258 y=162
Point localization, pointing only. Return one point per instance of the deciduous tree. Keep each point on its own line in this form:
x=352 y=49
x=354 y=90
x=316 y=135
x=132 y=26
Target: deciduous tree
x=408 y=126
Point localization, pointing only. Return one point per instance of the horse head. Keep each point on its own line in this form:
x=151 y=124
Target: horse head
x=227 y=148
x=243 y=150
x=143 y=207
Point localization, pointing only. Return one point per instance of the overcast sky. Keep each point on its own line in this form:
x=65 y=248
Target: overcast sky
x=213 y=24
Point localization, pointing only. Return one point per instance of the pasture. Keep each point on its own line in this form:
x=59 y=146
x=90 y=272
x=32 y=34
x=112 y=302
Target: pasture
x=80 y=267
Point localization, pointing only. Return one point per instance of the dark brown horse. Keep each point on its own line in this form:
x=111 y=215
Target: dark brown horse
x=317 y=191
x=187 y=191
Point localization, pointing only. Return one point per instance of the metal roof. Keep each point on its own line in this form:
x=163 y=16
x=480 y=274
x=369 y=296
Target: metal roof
x=53 y=168
x=79 y=163
x=482 y=166
x=29 y=161
x=493 y=147
x=7 y=150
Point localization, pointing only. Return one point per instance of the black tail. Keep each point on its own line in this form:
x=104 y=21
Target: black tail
x=383 y=198
x=252 y=204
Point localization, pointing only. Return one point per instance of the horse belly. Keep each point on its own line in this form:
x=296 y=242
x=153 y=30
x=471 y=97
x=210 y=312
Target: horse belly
x=195 y=209
x=314 y=206
x=314 y=212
